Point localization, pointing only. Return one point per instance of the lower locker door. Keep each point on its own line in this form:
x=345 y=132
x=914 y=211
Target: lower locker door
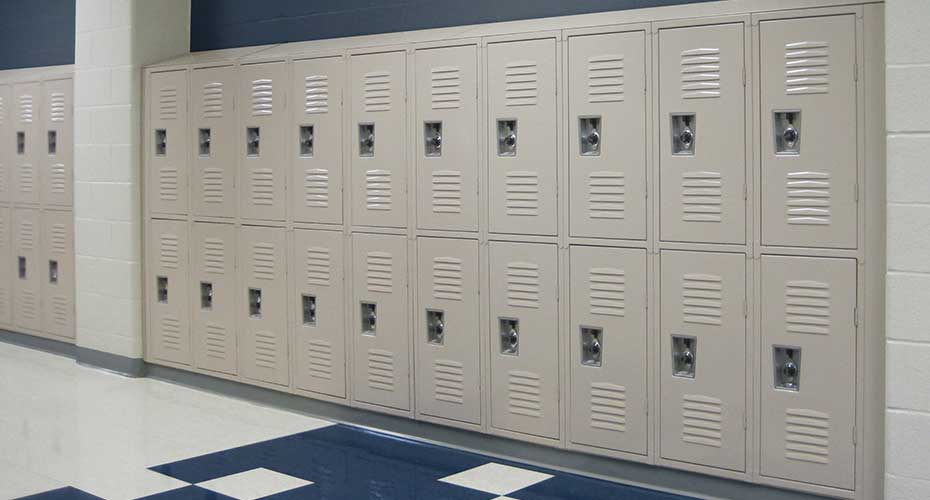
x=703 y=348
x=213 y=297
x=524 y=338
x=169 y=327
x=56 y=273
x=379 y=315
x=7 y=267
x=608 y=348
x=809 y=369
x=448 y=368
x=27 y=288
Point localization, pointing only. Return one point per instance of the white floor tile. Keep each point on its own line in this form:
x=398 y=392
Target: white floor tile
x=496 y=478
x=252 y=484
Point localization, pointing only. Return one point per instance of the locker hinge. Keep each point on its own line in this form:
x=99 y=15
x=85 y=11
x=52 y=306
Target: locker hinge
x=855 y=439
x=744 y=76
x=856 y=187
x=856 y=316
x=745 y=309
x=745 y=191
x=856 y=72
x=745 y=421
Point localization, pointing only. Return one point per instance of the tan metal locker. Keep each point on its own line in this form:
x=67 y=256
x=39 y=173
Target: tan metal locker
x=379 y=140
x=168 y=314
x=263 y=350
x=447 y=143
x=167 y=150
x=703 y=348
x=262 y=141
x=522 y=165
x=379 y=317
x=7 y=143
x=26 y=175
x=27 y=287
x=702 y=155
x=7 y=268
x=315 y=140
x=56 y=273
x=809 y=370
x=213 y=297
x=809 y=132
x=213 y=137
x=524 y=338
x=607 y=143
x=448 y=371
x=608 y=348
x=57 y=143
x=318 y=312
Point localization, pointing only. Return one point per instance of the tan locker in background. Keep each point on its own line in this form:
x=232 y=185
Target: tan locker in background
x=262 y=141
x=27 y=287
x=27 y=145
x=809 y=370
x=703 y=348
x=7 y=143
x=57 y=143
x=447 y=143
x=262 y=274
x=448 y=371
x=7 y=267
x=524 y=338
x=315 y=140
x=213 y=137
x=702 y=134
x=379 y=140
x=809 y=162
x=213 y=297
x=169 y=337
x=379 y=317
x=56 y=273
x=522 y=138
x=318 y=313
x=167 y=143
x=608 y=348
x=607 y=143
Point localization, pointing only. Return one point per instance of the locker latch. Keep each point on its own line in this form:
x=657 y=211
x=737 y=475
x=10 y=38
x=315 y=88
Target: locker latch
x=21 y=264
x=591 y=345
x=589 y=135
x=161 y=289
x=506 y=137
x=206 y=295
x=435 y=326
x=366 y=139
x=510 y=336
x=787 y=128
x=305 y=137
x=369 y=318
x=203 y=141
x=161 y=142
x=308 y=307
x=20 y=143
x=255 y=303
x=53 y=272
x=52 y=142
x=684 y=356
x=432 y=138
x=787 y=367
x=683 y=134
x=253 y=141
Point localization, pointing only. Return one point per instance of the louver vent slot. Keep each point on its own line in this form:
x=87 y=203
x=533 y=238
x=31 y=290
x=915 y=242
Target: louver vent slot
x=379 y=274
x=808 y=200
x=58 y=178
x=447 y=278
x=381 y=370
x=214 y=256
x=57 y=110
x=449 y=381
x=608 y=407
x=212 y=95
x=523 y=285
x=521 y=87
x=318 y=266
x=445 y=87
x=215 y=341
x=607 y=195
x=320 y=357
x=377 y=91
x=266 y=350
x=702 y=299
x=524 y=394
x=700 y=73
x=702 y=196
x=378 y=190
x=702 y=420
x=316 y=94
x=807 y=436
x=316 y=188
x=26 y=108
x=171 y=333
x=807 y=307
x=607 y=291
x=807 y=68
x=168 y=103
x=213 y=192
x=447 y=192
x=59 y=240
x=262 y=97
x=605 y=78
x=522 y=195
x=263 y=261
x=169 y=251
x=262 y=186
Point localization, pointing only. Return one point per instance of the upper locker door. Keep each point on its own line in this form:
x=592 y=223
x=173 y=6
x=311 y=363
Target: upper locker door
x=809 y=370
x=57 y=274
x=168 y=315
x=379 y=140
x=167 y=115
x=607 y=110
x=26 y=143
x=58 y=143
x=318 y=312
x=608 y=348
x=703 y=350
x=315 y=140
x=382 y=340
x=213 y=134
x=7 y=143
x=522 y=141
x=447 y=143
x=213 y=297
x=262 y=132
x=702 y=155
x=524 y=338
x=27 y=288
x=448 y=366
x=7 y=266
x=809 y=180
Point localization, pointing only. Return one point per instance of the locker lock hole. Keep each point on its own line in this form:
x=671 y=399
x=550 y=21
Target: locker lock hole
x=432 y=138
x=162 y=289
x=366 y=139
x=161 y=142
x=787 y=128
x=787 y=368
x=253 y=141
x=435 y=326
x=510 y=336
x=592 y=340
x=21 y=265
x=52 y=142
x=683 y=134
x=506 y=137
x=369 y=318
x=255 y=303
x=305 y=137
x=206 y=295
x=203 y=141
x=53 y=272
x=20 y=143
x=308 y=306
x=684 y=356
x=589 y=131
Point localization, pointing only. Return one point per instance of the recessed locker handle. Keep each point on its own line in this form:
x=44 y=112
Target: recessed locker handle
x=510 y=336
x=684 y=356
x=255 y=303
x=53 y=272
x=591 y=346
x=21 y=265
x=435 y=327
x=369 y=311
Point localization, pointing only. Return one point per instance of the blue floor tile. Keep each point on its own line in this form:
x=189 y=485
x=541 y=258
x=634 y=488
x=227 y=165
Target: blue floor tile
x=66 y=493
x=188 y=493
x=570 y=486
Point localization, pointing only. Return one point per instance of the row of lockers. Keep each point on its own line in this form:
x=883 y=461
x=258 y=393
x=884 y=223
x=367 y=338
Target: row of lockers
x=37 y=271
x=37 y=143
x=397 y=323
x=276 y=140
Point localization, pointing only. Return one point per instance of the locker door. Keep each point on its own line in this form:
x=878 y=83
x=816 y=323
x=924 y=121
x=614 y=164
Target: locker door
x=447 y=143
x=7 y=143
x=56 y=273
x=26 y=143
x=169 y=318
x=263 y=308
x=608 y=348
x=448 y=367
x=703 y=349
x=378 y=149
x=262 y=121
x=57 y=143
x=522 y=137
x=213 y=297
x=809 y=137
x=702 y=144
x=315 y=140
x=213 y=137
x=809 y=369
x=318 y=312
x=26 y=254
x=380 y=321
x=607 y=113
x=167 y=148
x=524 y=338
x=8 y=267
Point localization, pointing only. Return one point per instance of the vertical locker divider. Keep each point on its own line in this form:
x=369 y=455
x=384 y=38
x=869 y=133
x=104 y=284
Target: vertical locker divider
x=6 y=142
x=481 y=124
x=562 y=213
